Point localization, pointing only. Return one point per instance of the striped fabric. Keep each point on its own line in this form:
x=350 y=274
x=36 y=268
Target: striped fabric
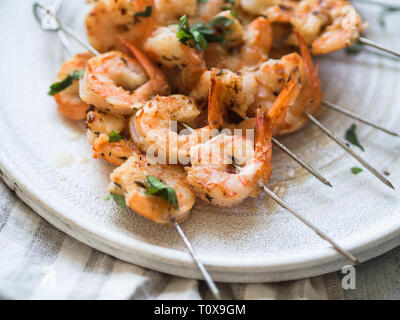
x=37 y=261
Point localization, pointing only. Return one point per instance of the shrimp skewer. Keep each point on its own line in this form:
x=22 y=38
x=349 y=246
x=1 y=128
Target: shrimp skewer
x=210 y=282
x=110 y=78
x=263 y=152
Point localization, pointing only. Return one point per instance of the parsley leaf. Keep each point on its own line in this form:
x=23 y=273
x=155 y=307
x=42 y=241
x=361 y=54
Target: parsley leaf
x=351 y=136
x=114 y=136
x=66 y=82
x=157 y=188
x=119 y=200
x=146 y=13
x=356 y=170
x=201 y=34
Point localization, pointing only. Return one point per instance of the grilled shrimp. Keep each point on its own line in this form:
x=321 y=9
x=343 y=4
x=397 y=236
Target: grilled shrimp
x=131 y=177
x=169 y=11
x=69 y=103
x=254 y=42
x=236 y=91
x=109 y=20
x=327 y=25
x=212 y=175
x=181 y=64
x=151 y=128
x=116 y=83
x=210 y=8
x=100 y=126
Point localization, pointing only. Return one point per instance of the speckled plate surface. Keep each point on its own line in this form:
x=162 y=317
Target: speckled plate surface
x=257 y=241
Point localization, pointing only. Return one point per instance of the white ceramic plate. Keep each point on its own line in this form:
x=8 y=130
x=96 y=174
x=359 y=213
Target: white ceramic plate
x=257 y=241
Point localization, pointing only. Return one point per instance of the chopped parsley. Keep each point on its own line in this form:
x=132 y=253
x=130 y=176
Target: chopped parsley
x=144 y=14
x=201 y=34
x=66 y=82
x=351 y=137
x=356 y=170
x=114 y=136
x=157 y=188
x=119 y=200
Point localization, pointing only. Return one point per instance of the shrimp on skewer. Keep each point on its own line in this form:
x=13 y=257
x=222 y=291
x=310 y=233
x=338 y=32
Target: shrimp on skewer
x=168 y=11
x=151 y=128
x=327 y=25
x=101 y=126
x=131 y=179
x=182 y=64
x=212 y=175
x=116 y=83
x=248 y=46
x=109 y=20
x=69 y=103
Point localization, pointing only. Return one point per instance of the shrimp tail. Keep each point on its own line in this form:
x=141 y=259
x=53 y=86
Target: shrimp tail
x=215 y=119
x=286 y=99
x=311 y=72
x=263 y=136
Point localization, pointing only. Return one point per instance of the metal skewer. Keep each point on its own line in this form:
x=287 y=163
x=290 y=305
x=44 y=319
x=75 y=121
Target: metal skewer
x=301 y=162
x=207 y=277
x=337 y=108
x=345 y=147
x=376 y=45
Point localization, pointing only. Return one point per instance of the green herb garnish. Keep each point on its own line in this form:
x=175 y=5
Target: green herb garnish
x=201 y=34
x=63 y=84
x=145 y=14
x=119 y=200
x=351 y=136
x=157 y=188
x=114 y=136
x=356 y=170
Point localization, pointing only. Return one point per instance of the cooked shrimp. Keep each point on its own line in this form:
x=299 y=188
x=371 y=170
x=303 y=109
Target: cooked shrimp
x=182 y=64
x=151 y=128
x=236 y=91
x=251 y=47
x=131 y=177
x=169 y=11
x=69 y=103
x=212 y=175
x=116 y=83
x=100 y=126
x=273 y=76
x=109 y=20
x=257 y=7
x=257 y=42
x=327 y=25
x=210 y=8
